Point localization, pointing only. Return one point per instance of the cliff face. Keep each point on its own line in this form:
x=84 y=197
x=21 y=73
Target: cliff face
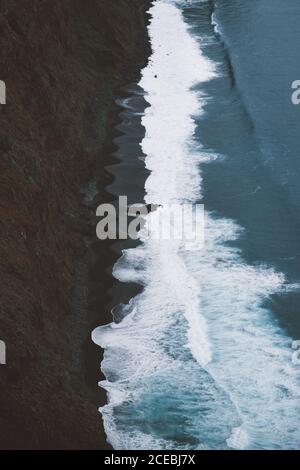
x=62 y=62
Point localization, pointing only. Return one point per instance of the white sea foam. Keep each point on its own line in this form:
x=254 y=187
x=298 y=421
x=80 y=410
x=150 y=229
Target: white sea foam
x=136 y=347
x=176 y=65
x=251 y=355
x=197 y=336
x=238 y=439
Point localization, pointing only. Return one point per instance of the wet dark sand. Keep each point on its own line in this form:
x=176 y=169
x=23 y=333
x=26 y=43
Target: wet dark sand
x=123 y=173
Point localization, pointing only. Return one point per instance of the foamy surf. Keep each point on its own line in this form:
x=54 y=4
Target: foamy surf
x=186 y=367
x=238 y=439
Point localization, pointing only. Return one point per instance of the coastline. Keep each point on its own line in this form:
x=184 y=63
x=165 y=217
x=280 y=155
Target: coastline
x=93 y=274
x=49 y=395
x=105 y=289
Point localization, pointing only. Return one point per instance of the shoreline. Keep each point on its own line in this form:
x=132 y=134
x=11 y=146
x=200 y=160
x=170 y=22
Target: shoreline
x=112 y=291
x=102 y=255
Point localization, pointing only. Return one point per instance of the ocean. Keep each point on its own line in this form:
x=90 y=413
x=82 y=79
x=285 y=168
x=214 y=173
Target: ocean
x=202 y=356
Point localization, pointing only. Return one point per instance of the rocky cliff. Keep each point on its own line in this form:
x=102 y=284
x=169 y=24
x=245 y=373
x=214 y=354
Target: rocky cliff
x=62 y=62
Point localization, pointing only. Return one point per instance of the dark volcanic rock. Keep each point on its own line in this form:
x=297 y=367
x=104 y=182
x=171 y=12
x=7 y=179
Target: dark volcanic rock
x=62 y=62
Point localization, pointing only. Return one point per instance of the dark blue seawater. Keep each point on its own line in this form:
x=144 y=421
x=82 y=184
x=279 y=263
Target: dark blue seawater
x=254 y=127
x=252 y=122
x=203 y=356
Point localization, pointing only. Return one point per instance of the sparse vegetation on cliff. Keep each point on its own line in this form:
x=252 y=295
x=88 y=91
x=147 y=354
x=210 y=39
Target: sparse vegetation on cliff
x=62 y=62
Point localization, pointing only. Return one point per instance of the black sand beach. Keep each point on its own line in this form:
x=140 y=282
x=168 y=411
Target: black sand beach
x=124 y=174
x=105 y=292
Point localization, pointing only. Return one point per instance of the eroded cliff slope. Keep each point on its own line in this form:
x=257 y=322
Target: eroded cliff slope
x=62 y=62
